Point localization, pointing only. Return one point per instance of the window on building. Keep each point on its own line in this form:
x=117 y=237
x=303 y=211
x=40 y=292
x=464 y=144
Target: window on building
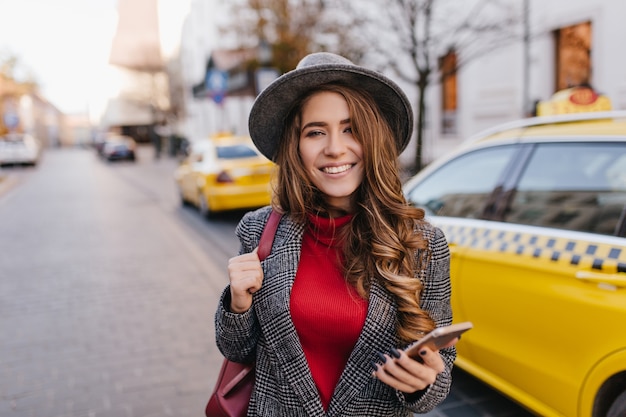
x=573 y=56
x=448 y=66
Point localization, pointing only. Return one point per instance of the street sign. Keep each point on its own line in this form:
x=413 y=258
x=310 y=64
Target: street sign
x=217 y=84
x=11 y=120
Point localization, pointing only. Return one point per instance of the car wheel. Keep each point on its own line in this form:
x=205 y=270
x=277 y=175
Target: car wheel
x=618 y=408
x=204 y=207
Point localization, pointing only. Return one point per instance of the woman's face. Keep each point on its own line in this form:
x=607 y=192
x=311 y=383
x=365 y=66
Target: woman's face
x=332 y=157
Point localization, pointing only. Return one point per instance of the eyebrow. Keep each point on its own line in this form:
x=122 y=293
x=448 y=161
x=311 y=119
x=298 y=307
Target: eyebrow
x=323 y=124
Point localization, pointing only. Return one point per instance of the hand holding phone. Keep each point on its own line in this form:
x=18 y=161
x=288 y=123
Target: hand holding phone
x=438 y=338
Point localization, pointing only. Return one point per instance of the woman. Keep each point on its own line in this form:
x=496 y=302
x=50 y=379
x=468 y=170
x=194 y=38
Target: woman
x=355 y=273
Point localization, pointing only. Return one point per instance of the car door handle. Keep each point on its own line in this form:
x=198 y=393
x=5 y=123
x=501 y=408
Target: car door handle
x=605 y=280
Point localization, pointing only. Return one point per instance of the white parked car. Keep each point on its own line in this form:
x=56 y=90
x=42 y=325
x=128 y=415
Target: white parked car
x=19 y=149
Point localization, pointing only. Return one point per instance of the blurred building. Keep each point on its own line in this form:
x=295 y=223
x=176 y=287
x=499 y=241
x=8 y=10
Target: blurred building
x=143 y=99
x=560 y=44
x=218 y=82
x=569 y=43
x=77 y=130
x=23 y=109
x=10 y=109
x=42 y=119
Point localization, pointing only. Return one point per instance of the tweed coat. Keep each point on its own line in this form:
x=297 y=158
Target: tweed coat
x=284 y=386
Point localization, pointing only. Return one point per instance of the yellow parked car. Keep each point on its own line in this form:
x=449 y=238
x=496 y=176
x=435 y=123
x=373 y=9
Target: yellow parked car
x=224 y=173
x=535 y=215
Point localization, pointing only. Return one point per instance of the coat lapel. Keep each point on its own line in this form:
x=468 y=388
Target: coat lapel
x=378 y=335
x=272 y=309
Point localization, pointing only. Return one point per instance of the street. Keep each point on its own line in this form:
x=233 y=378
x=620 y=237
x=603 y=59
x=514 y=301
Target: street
x=107 y=292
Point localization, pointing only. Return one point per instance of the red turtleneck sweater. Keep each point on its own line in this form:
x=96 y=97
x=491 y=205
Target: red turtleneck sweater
x=328 y=314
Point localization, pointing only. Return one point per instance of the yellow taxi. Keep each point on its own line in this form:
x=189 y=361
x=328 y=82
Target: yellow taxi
x=225 y=172
x=535 y=215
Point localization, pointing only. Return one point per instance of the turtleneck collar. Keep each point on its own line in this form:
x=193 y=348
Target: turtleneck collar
x=325 y=229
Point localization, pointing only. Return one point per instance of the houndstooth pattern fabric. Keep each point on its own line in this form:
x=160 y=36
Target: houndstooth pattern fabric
x=284 y=386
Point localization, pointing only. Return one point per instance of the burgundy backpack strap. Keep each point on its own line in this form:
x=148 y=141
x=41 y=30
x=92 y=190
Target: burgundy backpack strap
x=267 y=237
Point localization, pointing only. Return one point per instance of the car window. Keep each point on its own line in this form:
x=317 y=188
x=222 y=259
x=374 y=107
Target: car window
x=460 y=188
x=13 y=138
x=235 y=151
x=573 y=186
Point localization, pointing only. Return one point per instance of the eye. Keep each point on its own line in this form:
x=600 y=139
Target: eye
x=313 y=133
x=348 y=129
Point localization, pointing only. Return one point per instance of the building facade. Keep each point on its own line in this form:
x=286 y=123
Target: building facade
x=568 y=42
x=23 y=109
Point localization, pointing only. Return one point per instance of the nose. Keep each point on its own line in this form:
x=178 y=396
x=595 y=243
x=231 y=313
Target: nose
x=335 y=144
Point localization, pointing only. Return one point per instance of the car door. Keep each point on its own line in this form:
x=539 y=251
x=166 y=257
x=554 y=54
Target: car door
x=455 y=196
x=545 y=286
x=190 y=175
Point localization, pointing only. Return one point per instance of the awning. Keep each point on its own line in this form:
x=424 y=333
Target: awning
x=124 y=112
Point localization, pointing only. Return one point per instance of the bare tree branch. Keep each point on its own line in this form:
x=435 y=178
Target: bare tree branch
x=404 y=36
x=418 y=32
x=294 y=28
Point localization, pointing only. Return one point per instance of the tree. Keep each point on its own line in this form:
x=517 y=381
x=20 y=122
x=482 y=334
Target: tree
x=15 y=81
x=404 y=36
x=293 y=29
x=421 y=31
x=12 y=68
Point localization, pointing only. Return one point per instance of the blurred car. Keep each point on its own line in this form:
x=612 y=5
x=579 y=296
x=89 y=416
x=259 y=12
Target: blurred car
x=224 y=173
x=118 y=147
x=19 y=149
x=535 y=215
x=98 y=142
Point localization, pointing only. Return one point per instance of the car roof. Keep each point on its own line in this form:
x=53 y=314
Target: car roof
x=231 y=140
x=609 y=125
x=602 y=126
x=209 y=144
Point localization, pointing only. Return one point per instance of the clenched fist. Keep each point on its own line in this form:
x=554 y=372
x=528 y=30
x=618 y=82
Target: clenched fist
x=246 y=277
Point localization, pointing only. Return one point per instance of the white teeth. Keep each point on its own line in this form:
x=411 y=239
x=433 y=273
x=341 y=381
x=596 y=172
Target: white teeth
x=337 y=170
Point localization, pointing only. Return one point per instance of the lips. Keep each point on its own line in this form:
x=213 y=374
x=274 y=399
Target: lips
x=336 y=170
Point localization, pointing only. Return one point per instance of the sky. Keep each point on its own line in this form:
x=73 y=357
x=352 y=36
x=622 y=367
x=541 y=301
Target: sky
x=65 y=45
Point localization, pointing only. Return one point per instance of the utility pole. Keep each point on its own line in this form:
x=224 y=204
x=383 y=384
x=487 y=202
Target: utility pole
x=526 y=109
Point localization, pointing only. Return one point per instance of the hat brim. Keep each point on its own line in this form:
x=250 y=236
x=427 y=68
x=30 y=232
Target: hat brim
x=271 y=107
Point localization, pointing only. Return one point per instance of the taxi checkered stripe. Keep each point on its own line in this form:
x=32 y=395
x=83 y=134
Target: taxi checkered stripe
x=603 y=257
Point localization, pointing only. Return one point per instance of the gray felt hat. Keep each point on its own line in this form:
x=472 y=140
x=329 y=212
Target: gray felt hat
x=271 y=107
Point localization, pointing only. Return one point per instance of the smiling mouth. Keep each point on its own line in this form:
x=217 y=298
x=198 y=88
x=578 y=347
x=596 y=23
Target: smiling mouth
x=336 y=170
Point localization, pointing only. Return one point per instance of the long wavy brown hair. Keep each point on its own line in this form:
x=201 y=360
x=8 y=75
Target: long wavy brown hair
x=382 y=243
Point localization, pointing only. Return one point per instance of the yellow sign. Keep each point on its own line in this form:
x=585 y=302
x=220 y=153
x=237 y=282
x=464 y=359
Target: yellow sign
x=574 y=100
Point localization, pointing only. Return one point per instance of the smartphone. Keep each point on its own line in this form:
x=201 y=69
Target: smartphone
x=438 y=338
